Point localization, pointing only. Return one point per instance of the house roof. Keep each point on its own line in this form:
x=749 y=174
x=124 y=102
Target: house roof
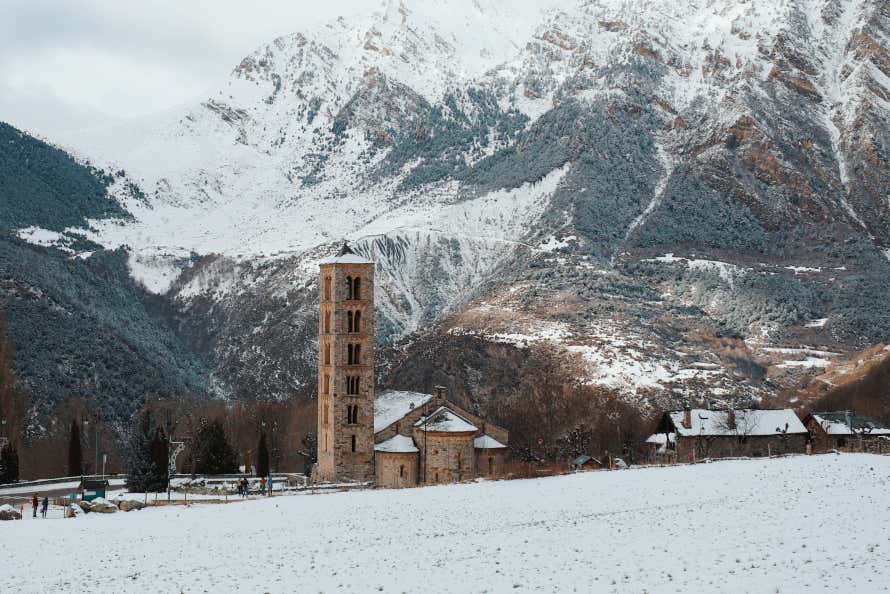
x=445 y=420
x=392 y=405
x=346 y=256
x=747 y=422
x=400 y=444
x=661 y=438
x=847 y=423
x=584 y=459
x=91 y=484
x=486 y=442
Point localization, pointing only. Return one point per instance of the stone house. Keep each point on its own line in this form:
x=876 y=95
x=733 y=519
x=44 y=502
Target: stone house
x=702 y=433
x=846 y=430
x=393 y=439
x=425 y=439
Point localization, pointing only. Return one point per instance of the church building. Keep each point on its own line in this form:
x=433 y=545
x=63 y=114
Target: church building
x=398 y=439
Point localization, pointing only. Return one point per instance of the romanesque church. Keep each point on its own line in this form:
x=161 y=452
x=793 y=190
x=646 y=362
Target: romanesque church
x=398 y=439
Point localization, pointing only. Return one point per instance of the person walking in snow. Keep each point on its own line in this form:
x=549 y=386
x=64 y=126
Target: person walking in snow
x=35 y=501
x=44 y=507
x=269 y=483
x=263 y=485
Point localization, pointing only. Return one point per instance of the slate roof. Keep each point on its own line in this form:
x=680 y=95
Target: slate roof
x=400 y=444
x=747 y=422
x=847 y=423
x=392 y=405
x=445 y=420
x=346 y=256
x=486 y=442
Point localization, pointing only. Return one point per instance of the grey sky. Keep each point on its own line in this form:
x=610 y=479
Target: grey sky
x=72 y=64
x=67 y=64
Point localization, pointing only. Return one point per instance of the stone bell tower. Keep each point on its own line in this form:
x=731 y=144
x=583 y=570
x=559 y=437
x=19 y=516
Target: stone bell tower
x=346 y=369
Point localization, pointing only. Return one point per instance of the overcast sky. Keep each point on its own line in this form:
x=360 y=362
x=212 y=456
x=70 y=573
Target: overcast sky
x=67 y=64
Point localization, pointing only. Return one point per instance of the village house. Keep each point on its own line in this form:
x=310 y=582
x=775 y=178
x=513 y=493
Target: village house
x=846 y=430
x=694 y=434
x=396 y=439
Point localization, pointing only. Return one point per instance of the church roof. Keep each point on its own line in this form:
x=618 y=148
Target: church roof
x=487 y=442
x=346 y=256
x=399 y=444
x=392 y=405
x=445 y=420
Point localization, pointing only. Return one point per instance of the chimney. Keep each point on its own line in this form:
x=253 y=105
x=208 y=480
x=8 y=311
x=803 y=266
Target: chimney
x=730 y=419
x=441 y=394
x=687 y=417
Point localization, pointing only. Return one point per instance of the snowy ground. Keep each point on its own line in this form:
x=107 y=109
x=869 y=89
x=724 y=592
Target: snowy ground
x=802 y=524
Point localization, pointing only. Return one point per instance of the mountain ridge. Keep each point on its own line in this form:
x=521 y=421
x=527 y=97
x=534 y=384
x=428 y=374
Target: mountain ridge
x=660 y=193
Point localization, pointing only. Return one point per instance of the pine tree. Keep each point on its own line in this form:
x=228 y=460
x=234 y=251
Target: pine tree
x=262 y=457
x=75 y=457
x=146 y=456
x=160 y=448
x=214 y=454
x=9 y=465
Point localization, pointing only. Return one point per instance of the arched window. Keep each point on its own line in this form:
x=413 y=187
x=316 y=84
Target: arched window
x=327 y=322
x=357 y=288
x=357 y=355
x=326 y=387
x=348 y=287
x=355 y=414
x=357 y=321
x=327 y=288
x=349 y=325
x=348 y=415
x=327 y=354
x=349 y=354
x=353 y=443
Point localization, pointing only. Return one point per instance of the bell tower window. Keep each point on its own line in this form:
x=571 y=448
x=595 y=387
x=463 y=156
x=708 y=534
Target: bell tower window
x=348 y=288
x=327 y=288
x=357 y=321
x=357 y=288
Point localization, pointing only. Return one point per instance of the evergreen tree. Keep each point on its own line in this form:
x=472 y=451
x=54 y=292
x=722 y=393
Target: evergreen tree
x=262 y=457
x=309 y=452
x=160 y=448
x=75 y=457
x=9 y=465
x=146 y=456
x=213 y=453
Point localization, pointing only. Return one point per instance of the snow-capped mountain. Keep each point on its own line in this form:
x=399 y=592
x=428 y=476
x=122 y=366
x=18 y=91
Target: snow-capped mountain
x=660 y=195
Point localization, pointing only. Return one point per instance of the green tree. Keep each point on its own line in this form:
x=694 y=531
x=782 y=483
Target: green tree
x=213 y=453
x=262 y=457
x=75 y=455
x=9 y=465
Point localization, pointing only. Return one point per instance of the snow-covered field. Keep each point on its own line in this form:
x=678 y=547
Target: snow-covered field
x=802 y=524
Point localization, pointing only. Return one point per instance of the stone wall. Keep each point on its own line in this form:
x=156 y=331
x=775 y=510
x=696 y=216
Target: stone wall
x=697 y=448
x=491 y=463
x=450 y=457
x=396 y=470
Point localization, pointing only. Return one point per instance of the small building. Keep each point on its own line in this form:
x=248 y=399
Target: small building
x=585 y=462
x=92 y=488
x=702 y=433
x=846 y=430
x=661 y=448
x=424 y=439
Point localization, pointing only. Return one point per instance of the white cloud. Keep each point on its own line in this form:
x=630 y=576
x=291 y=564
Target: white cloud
x=88 y=60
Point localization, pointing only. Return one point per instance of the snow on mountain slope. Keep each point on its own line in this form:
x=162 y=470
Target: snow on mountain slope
x=462 y=143
x=797 y=524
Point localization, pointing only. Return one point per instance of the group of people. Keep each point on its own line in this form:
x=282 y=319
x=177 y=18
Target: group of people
x=265 y=486
x=44 y=505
